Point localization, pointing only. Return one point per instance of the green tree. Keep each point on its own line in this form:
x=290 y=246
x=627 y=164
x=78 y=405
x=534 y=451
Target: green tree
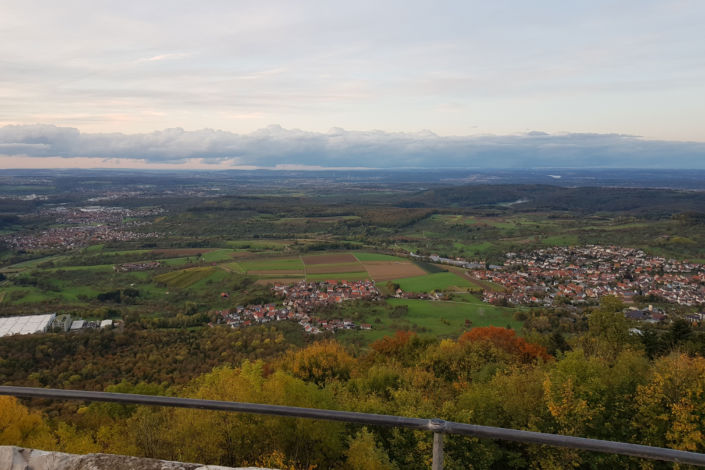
x=364 y=454
x=608 y=330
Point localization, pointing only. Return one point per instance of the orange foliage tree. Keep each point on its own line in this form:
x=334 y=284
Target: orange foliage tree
x=508 y=341
x=392 y=345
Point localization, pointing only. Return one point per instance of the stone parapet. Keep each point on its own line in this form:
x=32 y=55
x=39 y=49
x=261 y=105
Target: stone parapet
x=18 y=458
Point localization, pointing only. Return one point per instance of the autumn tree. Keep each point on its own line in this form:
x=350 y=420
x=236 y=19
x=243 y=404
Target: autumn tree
x=22 y=427
x=507 y=340
x=364 y=453
x=321 y=362
x=608 y=332
x=671 y=406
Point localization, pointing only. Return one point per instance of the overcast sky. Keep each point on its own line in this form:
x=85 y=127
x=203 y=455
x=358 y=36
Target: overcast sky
x=353 y=84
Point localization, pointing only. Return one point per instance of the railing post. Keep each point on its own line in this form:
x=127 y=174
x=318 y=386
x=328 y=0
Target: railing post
x=437 y=451
x=438 y=427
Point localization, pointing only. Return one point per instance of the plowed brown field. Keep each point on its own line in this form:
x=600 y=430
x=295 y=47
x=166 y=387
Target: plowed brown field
x=388 y=270
x=280 y=272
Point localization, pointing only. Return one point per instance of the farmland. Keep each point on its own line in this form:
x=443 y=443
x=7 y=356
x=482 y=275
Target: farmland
x=388 y=270
x=185 y=278
x=208 y=252
x=341 y=265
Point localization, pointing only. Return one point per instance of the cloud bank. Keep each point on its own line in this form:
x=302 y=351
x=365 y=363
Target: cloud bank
x=276 y=147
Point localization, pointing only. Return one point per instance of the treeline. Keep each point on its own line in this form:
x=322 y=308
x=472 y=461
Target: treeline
x=651 y=202
x=604 y=386
x=93 y=360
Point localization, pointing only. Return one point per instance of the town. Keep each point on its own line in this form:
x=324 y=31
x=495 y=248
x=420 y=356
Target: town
x=582 y=275
x=303 y=299
x=82 y=226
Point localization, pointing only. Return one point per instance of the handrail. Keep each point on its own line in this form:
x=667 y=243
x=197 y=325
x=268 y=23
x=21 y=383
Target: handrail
x=437 y=426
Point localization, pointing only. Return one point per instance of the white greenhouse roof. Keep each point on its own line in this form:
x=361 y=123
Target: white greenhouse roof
x=25 y=325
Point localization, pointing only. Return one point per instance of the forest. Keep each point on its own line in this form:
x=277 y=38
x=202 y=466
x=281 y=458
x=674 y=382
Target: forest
x=603 y=383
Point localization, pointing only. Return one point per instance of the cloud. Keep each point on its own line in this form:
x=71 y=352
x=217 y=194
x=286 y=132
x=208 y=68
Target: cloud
x=160 y=57
x=276 y=147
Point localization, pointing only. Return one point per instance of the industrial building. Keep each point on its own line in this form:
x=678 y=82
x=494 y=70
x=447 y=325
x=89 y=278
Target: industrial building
x=26 y=325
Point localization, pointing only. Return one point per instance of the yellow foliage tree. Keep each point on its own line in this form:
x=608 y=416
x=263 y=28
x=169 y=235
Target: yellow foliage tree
x=365 y=454
x=672 y=405
x=322 y=362
x=21 y=427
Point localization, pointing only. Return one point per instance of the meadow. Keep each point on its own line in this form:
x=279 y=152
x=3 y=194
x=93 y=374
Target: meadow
x=431 y=282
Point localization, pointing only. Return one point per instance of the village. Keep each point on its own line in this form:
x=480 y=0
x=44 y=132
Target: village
x=300 y=301
x=582 y=275
x=82 y=226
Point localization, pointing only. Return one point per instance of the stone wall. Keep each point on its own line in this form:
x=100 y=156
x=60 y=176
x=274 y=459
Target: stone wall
x=17 y=458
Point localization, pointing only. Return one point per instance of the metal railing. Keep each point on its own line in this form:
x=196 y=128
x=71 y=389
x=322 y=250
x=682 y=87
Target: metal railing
x=437 y=426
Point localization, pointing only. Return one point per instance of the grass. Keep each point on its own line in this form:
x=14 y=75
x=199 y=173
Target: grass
x=561 y=240
x=72 y=293
x=175 y=261
x=377 y=257
x=474 y=248
x=430 y=268
x=185 y=278
x=445 y=319
x=234 y=267
x=94 y=248
x=449 y=219
x=34 y=262
x=124 y=252
x=274 y=245
x=94 y=268
x=430 y=282
x=217 y=255
x=448 y=318
x=29 y=295
x=215 y=276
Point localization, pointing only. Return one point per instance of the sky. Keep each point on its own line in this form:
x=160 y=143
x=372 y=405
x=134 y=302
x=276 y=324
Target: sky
x=383 y=84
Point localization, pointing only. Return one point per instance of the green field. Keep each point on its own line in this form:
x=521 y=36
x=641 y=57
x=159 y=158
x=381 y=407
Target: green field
x=97 y=267
x=215 y=276
x=445 y=319
x=430 y=282
x=217 y=255
x=22 y=295
x=175 y=261
x=270 y=245
x=234 y=266
x=431 y=314
x=186 y=277
x=561 y=240
x=73 y=293
x=475 y=248
x=34 y=262
x=377 y=257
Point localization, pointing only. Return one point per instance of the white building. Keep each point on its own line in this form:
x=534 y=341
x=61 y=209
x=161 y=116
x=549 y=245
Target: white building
x=25 y=325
